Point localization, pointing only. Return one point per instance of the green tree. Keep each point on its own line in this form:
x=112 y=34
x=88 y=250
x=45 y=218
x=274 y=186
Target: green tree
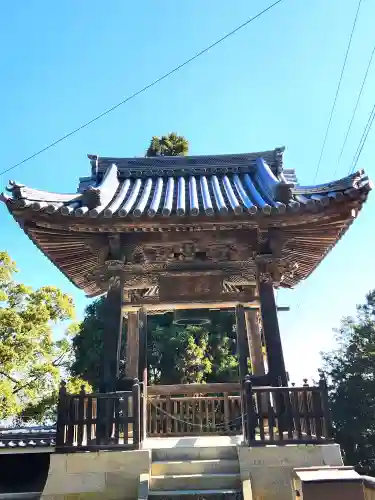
x=31 y=362
x=168 y=145
x=175 y=354
x=179 y=355
x=88 y=344
x=350 y=370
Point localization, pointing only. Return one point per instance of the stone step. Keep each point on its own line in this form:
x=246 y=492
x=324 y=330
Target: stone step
x=215 y=466
x=196 y=494
x=182 y=453
x=195 y=481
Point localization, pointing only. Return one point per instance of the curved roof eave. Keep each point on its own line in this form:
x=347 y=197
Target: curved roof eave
x=254 y=190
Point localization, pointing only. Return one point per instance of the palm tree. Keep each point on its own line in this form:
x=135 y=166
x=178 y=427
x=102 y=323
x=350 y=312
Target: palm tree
x=168 y=145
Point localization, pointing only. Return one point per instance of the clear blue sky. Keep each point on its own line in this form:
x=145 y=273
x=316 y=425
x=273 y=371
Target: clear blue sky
x=272 y=84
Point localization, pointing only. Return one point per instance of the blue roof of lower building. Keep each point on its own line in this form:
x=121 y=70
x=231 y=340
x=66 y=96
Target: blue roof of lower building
x=27 y=437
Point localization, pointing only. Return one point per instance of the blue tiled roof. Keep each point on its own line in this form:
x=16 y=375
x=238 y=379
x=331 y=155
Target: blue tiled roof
x=143 y=191
x=27 y=437
x=187 y=194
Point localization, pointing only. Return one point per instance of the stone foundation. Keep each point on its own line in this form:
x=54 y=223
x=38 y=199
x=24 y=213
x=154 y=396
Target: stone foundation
x=266 y=472
x=96 y=475
x=270 y=467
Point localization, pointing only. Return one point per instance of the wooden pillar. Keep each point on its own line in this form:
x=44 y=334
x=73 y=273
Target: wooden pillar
x=132 y=346
x=254 y=341
x=110 y=358
x=142 y=367
x=275 y=358
x=243 y=354
x=242 y=344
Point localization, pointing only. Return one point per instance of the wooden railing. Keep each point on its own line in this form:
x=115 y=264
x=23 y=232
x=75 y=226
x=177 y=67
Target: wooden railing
x=98 y=421
x=195 y=409
x=283 y=415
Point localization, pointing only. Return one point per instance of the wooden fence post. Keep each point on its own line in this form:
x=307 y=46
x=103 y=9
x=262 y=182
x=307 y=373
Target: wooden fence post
x=318 y=415
x=306 y=403
x=81 y=415
x=327 y=419
x=249 y=408
x=289 y=413
x=61 y=415
x=280 y=407
x=136 y=396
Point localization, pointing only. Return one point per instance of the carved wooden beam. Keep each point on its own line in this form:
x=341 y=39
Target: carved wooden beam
x=225 y=301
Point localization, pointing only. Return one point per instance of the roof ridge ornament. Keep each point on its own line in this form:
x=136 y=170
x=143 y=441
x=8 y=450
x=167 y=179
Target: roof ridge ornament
x=279 y=190
x=283 y=192
x=94 y=161
x=100 y=195
x=13 y=185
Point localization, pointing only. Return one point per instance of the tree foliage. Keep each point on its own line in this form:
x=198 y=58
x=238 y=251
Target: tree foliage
x=168 y=145
x=88 y=342
x=30 y=360
x=351 y=372
x=175 y=354
x=189 y=354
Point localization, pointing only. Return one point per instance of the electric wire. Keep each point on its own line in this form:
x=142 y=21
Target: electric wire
x=363 y=139
x=142 y=90
x=337 y=90
x=354 y=111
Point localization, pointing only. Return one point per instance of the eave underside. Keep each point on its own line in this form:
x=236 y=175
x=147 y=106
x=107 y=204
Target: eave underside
x=79 y=251
x=138 y=212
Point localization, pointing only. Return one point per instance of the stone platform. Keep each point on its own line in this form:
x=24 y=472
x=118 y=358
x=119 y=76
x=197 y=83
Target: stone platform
x=265 y=472
x=194 y=441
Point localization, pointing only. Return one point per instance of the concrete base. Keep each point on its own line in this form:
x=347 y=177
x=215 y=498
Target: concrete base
x=270 y=467
x=96 y=475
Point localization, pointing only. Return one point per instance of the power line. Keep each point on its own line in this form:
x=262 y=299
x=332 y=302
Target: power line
x=152 y=84
x=363 y=139
x=338 y=89
x=354 y=111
